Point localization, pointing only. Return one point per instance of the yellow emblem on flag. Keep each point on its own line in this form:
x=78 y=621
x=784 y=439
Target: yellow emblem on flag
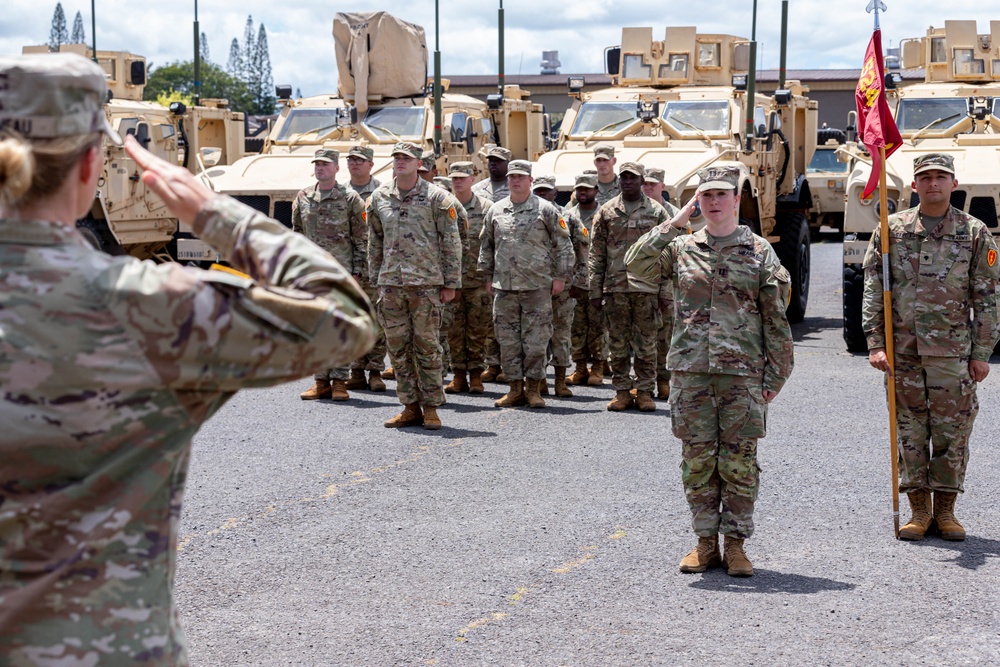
x=991 y=257
x=562 y=223
x=451 y=212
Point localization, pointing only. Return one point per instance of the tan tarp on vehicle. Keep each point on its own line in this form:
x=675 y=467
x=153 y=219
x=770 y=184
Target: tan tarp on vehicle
x=377 y=56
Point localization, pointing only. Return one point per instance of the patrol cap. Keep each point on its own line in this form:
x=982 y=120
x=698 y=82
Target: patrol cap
x=522 y=167
x=586 y=180
x=443 y=182
x=632 y=168
x=590 y=172
x=426 y=161
x=604 y=152
x=543 y=182
x=460 y=169
x=409 y=149
x=363 y=152
x=500 y=152
x=718 y=178
x=51 y=95
x=327 y=155
x=655 y=175
x=939 y=161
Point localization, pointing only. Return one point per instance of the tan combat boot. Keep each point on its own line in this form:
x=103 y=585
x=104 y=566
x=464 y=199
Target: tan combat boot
x=410 y=416
x=735 y=559
x=338 y=390
x=543 y=387
x=320 y=390
x=375 y=381
x=561 y=381
x=501 y=377
x=389 y=374
x=431 y=420
x=621 y=401
x=596 y=377
x=476 y=381
x=703 y=556
x=644 y=401
x=357 y=379
x=579 y=375
x=920 y=515
x=457 y=385
x=944 y=515
x=490 y=374
x=532 y=393
x=663 y=389
x=514 y=397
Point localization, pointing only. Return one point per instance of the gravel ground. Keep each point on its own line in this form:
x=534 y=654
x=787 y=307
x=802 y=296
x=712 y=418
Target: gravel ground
x=311 y=535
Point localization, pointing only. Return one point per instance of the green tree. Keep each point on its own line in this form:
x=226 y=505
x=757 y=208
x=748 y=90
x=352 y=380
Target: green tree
x=235 y=65
x=203 y=44
x=79 y=36
x=58 y=34
x=261 y=83
x=178 y=77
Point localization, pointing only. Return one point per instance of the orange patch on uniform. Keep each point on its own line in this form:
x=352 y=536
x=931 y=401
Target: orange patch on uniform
x=562 y=223
x=364 y=216
x=451 y=212
x=585 y=232
x=991 y=257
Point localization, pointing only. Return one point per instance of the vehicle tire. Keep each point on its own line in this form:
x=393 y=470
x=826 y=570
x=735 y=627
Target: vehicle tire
x=854 y=286
x=98 y=236
x=793 y=251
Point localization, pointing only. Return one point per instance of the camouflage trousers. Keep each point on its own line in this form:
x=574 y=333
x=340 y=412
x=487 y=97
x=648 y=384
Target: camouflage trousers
x=491 y=349
x=447 y=318
x=589 y=339
x=563 y=306
x=718 y=419
x=522 y=321
x=632 y=320
x=936 y=406
x=374 y=360
x=411 y=318
x=473 y=321
x=663 y=339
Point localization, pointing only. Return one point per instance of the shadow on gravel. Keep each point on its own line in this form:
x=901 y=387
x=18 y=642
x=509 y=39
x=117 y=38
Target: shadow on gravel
x=970 y=554
x=812 y=325
x=448 y=433
x=768 y=581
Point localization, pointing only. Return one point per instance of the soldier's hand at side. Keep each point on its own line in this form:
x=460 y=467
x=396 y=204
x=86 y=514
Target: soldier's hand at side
x=557 y=286
x=578 y=293
x=489 y=288
x=769 y=395
x=183 y=194
x=978 y=370
x=877 y=359
x=447 y=294
x=596 y=304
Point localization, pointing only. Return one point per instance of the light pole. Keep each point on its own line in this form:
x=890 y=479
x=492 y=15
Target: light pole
x=197 y=58
x=437 y=81
x=93 y=30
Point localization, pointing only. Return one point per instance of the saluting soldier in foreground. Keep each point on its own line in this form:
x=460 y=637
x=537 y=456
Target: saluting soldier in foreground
x=730 y=354
x=943 y=266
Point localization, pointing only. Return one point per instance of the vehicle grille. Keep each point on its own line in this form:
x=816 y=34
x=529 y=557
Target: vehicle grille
x=283 y=213
x=984 y=208
x=260 y=203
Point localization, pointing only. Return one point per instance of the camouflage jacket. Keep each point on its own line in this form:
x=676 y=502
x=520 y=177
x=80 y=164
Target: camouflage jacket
x=580 y=236
x=413 y=240
x=366 y=190
x=109 y=365
x=335 y=221
x=475 y=209
x=525 y=246
x=607 y=191
x=615 y=231
x=585 y=218
x=937 y=277
x=729 y=303
x=487 y=189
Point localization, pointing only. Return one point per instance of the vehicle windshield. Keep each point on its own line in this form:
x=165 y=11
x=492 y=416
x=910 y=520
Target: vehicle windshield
x=395 y=122
x=996 y=108
x=825 y=160
x=604 y=117
x=303 y=121
x=687 y=117
x=936 y=115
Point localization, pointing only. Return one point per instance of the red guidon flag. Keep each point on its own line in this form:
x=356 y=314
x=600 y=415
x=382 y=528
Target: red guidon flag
x=875 y=124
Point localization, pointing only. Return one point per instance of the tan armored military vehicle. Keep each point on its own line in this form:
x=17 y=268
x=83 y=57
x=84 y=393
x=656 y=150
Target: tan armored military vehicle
x=680 y=104
x=394 y=102
x=956 y=110
x=827 y=177
x=125 y=217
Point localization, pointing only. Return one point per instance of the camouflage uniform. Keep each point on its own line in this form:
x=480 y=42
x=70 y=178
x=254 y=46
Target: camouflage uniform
x=588 y=338
x=334 y=220
x=99 y=415
x=731 y=342
x=374 y=361
x=563 y=304
x=473 y=307
x=667 y=315
x=448 y=309
x=631 y=311
x=938 y=275
x=494 y=192
x=414 y=250
x=607 y=191
x=524 y=247
x=367 y=189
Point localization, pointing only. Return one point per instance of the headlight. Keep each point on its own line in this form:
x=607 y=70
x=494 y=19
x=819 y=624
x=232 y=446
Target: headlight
x=890 y=207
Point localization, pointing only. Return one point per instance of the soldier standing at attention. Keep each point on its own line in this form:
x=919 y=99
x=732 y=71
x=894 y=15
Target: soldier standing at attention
x=360 y=160
x=730 y=355
x=473 y=306
x=564 y=302
x=652 y=187
x=589 y=337
x=98 y=415
x=608 y=186
x=525 y=257
x=428 y=166
x=495 y=187
x=631 y=309
x=332 y=217
x=943 y=266
x=415 y=258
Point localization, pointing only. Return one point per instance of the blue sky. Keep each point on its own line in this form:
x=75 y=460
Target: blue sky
x=301 y=42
